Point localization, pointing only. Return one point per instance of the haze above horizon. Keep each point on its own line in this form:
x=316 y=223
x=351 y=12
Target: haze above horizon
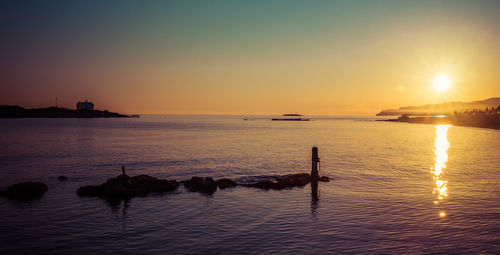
x=258 y=57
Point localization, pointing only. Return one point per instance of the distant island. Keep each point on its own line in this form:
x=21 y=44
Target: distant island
x=290 y=119
x=441 y=109
x=15 y=111
x=292 y=114
x=488 y=117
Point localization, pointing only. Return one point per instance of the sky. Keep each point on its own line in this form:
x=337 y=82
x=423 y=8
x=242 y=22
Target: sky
x=247 y=57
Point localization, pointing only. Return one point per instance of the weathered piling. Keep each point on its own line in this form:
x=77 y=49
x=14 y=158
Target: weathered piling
x=315 y=162
x=314 y=174
x=314 y=191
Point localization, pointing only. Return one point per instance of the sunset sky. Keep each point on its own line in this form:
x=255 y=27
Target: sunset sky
x=247 y=57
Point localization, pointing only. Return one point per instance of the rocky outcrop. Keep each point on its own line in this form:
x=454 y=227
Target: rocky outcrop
x=225 y=183
x=283 y=182
x=25 y=191
x=201 y=184
x=62 y=178
x=124 y=187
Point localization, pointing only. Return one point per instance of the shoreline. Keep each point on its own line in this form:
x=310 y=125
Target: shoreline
x=17 y=112
x=480 y=121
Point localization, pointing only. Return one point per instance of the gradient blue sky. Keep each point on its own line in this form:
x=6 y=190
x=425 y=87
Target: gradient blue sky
x=247 y=57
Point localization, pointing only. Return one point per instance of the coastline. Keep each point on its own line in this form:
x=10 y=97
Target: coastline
x=479 y=121
x=15 y=111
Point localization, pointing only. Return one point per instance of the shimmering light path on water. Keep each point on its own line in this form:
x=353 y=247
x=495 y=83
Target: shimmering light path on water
x=382 y=201
x=441 y=150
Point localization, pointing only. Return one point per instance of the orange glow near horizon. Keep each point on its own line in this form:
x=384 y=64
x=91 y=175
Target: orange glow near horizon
x=333 y=59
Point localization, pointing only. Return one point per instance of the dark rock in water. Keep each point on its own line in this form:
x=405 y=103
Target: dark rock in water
x=295 y=180
x=283 y=182
x=324 y=179
x=265 y=185
x=201 y=184
x=87 y=191
x=143 y=183
x=123 y=187
x=62 y=178
x=225 y=183
x=25 y=191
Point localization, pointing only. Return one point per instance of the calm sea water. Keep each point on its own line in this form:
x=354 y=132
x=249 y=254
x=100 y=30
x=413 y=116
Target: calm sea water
x=398 y=188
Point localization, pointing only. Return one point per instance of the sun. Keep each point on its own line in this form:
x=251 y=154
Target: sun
x=442 y=83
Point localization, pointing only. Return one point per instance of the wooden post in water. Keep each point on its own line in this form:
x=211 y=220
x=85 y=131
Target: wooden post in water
x=314 y=175
x=315 y=162
x=123 y=170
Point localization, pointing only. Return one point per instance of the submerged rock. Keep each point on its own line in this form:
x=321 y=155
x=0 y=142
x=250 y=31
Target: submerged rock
x=62 y=178
x=201 y=184
x=25 y=191
x=283 y=182
x=225 y=183
x=324 y=179
x=123 y=187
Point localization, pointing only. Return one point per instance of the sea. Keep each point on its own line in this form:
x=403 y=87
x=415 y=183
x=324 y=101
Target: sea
x=396 y=188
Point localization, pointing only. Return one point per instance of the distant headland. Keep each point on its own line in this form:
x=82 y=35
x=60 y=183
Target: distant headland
x=441 y=109
x=83 y=110
x=488 y=117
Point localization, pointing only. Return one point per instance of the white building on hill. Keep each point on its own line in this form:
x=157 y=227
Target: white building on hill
x=89 y=106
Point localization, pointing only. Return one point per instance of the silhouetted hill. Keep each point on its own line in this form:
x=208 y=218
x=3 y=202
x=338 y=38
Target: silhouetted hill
x=441 y=109
x=15 y=111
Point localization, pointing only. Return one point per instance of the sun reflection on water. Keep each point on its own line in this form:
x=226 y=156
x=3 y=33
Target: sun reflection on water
x=441 y=146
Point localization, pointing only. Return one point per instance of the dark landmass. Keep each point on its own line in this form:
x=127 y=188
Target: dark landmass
x=14 y=111
x=25 y=191
x=474 y=119
x=441 y=109
x=292 y=114
x=125 y=187
x=291 y=119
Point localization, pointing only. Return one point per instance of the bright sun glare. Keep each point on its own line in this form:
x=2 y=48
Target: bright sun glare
x=442 y=83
